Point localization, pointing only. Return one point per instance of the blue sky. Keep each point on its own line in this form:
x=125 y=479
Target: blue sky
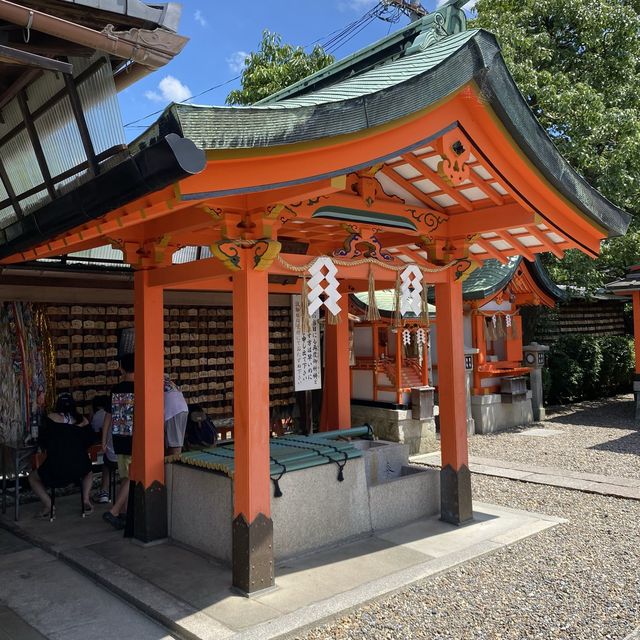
x=221 y=32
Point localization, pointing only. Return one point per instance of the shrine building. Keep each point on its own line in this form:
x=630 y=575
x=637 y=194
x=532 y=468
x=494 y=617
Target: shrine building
x=404 y=166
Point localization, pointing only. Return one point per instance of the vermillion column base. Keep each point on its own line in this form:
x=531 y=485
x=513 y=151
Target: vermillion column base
x=147 y=512
x=252 y=560
x=455 y=495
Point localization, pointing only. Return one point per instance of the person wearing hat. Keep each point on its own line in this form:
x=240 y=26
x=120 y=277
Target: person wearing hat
x=65 y=436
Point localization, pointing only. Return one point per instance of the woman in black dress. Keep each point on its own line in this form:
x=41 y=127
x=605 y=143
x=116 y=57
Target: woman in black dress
x=66 y=437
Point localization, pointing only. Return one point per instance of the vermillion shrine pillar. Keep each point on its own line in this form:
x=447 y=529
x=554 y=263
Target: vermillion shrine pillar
x=455 y=478
x=147 y=492
x=336 y=395
x=636 y=341
x=252 y=525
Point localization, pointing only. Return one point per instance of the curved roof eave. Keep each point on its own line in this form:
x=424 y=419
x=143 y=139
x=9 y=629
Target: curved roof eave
x=489 y=279
x=477 y=60
x=544 y=281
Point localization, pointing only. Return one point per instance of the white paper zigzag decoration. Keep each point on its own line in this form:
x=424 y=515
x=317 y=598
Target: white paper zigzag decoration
x=323 y=282
x=410 y=290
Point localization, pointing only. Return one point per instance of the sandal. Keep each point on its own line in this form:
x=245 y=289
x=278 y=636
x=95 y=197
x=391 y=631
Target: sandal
x=88 y=510
x=45 y=515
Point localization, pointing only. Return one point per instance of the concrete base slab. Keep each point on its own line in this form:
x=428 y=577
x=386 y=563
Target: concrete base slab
x=189 y=592
x=397 y=426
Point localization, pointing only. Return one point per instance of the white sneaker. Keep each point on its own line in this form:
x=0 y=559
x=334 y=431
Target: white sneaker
x=103 y=497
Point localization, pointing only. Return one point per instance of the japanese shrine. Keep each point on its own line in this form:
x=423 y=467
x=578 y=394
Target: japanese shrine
x=405 y=165
x=494 y=295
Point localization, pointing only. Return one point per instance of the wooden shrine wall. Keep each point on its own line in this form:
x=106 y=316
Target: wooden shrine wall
x=198 y=353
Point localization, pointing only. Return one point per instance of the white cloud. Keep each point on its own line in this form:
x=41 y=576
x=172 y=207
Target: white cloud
x=236 y=61
x=467 y=7
x=199 y=18
x=356 y=5
x=170 y=90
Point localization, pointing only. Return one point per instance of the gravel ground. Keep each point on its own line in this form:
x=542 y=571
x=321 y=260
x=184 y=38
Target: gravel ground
x=601 y=437
x=576 y=581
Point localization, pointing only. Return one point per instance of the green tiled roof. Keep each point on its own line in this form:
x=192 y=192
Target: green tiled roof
x=385 y=299
x=382 y=76
x=488 y=279
x=368 y=90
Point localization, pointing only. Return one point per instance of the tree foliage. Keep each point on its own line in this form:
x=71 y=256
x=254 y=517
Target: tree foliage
x=577 y=63
x=275 y=66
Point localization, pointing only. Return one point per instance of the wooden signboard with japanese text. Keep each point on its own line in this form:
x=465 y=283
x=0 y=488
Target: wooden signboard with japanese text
x=306 y=350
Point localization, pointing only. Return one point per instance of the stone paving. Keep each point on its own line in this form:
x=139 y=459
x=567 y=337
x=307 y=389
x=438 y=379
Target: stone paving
x=43 y=598
x=567 y=479
x=189 y=594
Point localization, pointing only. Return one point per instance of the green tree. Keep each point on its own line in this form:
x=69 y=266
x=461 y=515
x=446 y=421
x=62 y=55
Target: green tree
x=275 y=66
x=577 y=64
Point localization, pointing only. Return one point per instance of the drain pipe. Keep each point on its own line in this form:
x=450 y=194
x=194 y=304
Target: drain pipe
x=127 y=45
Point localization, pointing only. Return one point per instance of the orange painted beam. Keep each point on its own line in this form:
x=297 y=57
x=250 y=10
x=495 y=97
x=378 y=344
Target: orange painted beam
x=636 y=327
x=251 y=391
x=118 y=222
x=507 y=216
x=541 y=236
x=287 y=195
x=148 y=434
x=492 y=251
x=350 y=273
x=336 y=394
x=188 y=274
x=421 y=196
x=451 y=375
x=349 y=201
x=520 y=249
x=420 y=166
x=486 y=188
x=492 y=140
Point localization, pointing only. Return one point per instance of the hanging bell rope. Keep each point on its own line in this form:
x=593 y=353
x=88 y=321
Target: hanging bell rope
x=305 y=318
x=501 y=329
x=491 y=329
x=425 y=306
x=397 y=311
x=373 y=314
x=332 y=318
x=512 y=327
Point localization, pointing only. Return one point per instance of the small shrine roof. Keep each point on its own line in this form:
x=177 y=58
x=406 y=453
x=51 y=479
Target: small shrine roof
x=484 y=282
x=626 y=285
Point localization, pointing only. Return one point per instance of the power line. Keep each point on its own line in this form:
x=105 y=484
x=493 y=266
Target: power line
x=330 y=43
x=155 y=113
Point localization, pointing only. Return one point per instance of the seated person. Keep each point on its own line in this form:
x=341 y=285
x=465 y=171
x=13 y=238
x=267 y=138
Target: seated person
x=100 y=404
x=66 y=437
x=176 y=413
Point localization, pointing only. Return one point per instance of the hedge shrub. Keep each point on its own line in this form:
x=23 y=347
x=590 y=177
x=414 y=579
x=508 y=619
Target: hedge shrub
x=586 y=367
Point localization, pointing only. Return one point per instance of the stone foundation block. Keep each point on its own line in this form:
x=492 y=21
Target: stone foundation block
x=491 y=414
x=397 y=425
